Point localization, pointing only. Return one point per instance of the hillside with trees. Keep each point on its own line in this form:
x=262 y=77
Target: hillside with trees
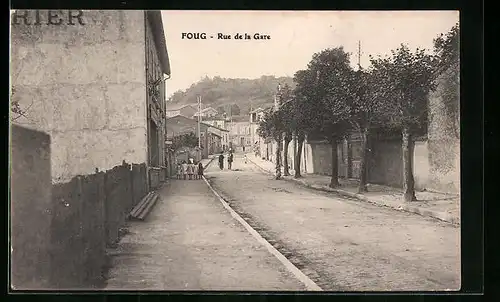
x=233 y=96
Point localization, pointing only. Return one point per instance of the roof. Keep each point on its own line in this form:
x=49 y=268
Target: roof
x=175 y=107
x=156 y=23
x=208 y=108
x=182 y=124
x=215 y=118
x=213 y=126
x=257 y=110
x=240 y=118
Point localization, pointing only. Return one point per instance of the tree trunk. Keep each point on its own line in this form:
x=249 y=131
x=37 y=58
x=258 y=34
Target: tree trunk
x=278 y=157
x=334 y=182
x=363 y=173
x=408 y=181
x=298 y=155
x=288 y=138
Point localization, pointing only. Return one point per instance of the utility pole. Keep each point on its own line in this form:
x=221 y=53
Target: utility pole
x=277 y=103
x=199 y=122
x=359 y=55
x=251 y=126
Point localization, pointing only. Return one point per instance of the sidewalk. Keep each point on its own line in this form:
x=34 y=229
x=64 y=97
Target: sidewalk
x=191 y=242
x=207 y=161
x=444 y=207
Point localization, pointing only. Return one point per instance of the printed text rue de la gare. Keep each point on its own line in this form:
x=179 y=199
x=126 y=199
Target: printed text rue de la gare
x=221 y=36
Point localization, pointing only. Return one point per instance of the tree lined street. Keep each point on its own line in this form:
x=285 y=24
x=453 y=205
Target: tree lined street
x=289 y=163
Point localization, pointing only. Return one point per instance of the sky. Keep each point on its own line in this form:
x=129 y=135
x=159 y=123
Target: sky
x=295 y=37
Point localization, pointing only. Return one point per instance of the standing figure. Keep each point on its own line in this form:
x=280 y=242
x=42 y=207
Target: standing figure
x=221 y=161
x=195 y=171
x=230 y=160
x=190 y=169
x=179 y=171
x=245 y=158
x=184 y=169
x=200 y=170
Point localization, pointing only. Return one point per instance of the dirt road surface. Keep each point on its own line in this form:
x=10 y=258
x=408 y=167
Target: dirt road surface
x=343 y=244
x=191 y=242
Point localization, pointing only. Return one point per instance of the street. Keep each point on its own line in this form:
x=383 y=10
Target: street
x=115 y=152
x=342 y=244
x=190 y=242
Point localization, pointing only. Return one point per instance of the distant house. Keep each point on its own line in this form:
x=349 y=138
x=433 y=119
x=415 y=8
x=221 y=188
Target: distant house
x=207 y=112
x=220 y=122
x=214 y=139
x=183 y=110
x=255 y=117
x=240 y=134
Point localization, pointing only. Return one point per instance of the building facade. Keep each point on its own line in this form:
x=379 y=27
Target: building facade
x=221 y=123
x=240 y=134
x=207 y=112
x=94 y=81
x=212 y=138
x=256 y=142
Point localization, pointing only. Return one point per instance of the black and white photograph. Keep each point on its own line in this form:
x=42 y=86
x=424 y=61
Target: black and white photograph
x=278 y=151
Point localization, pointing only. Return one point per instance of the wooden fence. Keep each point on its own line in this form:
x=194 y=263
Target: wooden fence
x=87 y=215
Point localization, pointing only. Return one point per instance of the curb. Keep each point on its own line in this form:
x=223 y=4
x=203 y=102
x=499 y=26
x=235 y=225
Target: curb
x=402 y=207
x=208 y=163
x=309 y=284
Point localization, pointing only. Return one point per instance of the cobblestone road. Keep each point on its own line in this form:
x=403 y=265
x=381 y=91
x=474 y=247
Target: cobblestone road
x=190 y=242
x=343 y=244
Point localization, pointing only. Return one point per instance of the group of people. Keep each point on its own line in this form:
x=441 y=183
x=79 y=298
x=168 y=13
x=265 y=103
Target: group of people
x=189 y=170
x=230 y=160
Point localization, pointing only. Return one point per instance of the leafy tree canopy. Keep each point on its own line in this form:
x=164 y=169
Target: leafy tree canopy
x=187 y=140
x=404 y=80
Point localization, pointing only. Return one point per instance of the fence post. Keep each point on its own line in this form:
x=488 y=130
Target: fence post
x=80 y=251
x=101 y=178
x=132 y=188
x=106 y=212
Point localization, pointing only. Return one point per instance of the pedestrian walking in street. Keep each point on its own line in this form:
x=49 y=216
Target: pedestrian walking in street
x=221 y=161
x=200 y=170
x=184 y=169
x=230 y=161
x=245 y=158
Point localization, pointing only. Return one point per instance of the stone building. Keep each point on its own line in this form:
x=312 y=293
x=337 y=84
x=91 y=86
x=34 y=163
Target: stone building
x=212 y=137
x=95 y=82
x=240 y=132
